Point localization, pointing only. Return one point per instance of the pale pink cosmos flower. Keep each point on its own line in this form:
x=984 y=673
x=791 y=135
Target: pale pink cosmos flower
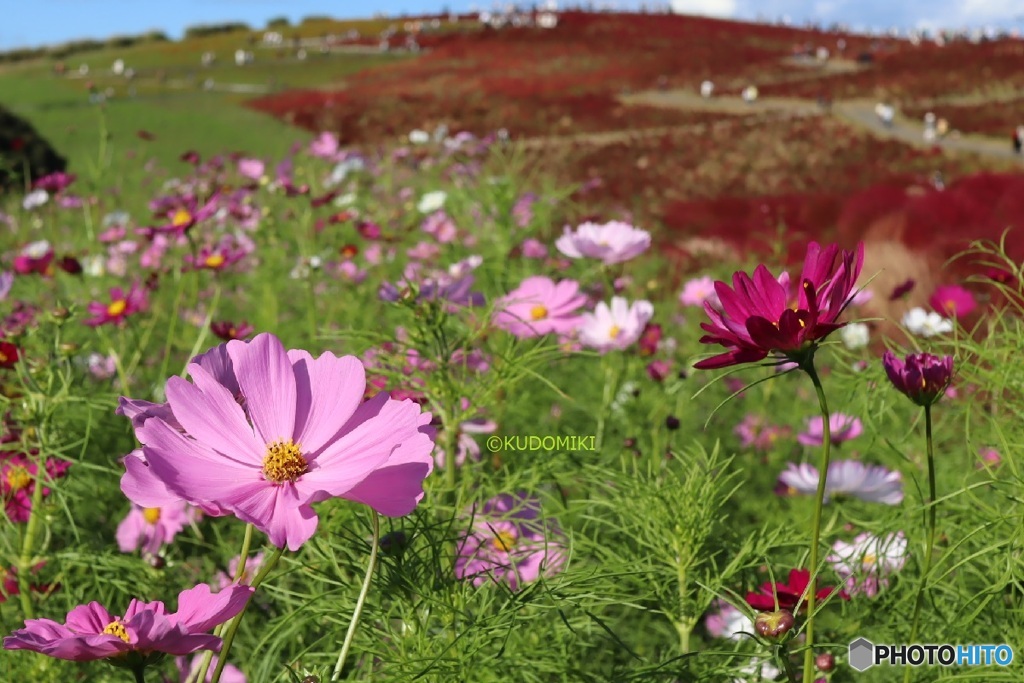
x=187 y=671
x=540 y=306
x=871 y=483
x=612 y=242
x=100 y=366
x=149 y=529
x=615 y=327
x=251 y=168
x=756 y=432
x=296 y=432
x=90 y=632
x=842 y=428
x=466 y=446
x=532 y=248
x=424 y=251
x=726 y=621
x=866 y=562
x=252 y=568
x=325 y=146
x=440 y=226
x=698 y=290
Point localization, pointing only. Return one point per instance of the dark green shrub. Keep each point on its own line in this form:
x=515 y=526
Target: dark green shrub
x=202 y=30
x=23 y=149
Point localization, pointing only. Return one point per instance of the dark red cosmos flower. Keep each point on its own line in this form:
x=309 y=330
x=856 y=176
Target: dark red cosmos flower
x=228 y=331
x=8 y=355
x=145 y=135
x=923 y=378
x=649 y=339
x=759 y=318
x=900 y=290
x=789 y=594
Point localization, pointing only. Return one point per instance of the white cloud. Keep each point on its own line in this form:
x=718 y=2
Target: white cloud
x=712 y=8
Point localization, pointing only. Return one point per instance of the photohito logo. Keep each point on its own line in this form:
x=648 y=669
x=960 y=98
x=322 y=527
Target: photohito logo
x=864 y=654
x=496 y=444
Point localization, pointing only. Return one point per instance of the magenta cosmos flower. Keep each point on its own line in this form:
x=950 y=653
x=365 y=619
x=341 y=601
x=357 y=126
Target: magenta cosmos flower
x=952 y=301
x=615 y=327
x=871 y=483
x=189 y=670
x=152 y=528
x=295 y=432
x=122 y=304
x=841 y=428
x=540 y=306
x=509 y=542
x=922 y=377
x=140 y=637
x=18 y=474
x=612 y=242
x=758 y=318
x=789 y=595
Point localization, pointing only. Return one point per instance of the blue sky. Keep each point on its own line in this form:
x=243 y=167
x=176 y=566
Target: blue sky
x=36 y=22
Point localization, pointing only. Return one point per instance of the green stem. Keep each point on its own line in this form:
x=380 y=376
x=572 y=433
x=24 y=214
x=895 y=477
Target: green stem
x=31 y=529
x=201 y=339
x=915 y=620
x=229 y=635
x=362 y=595
x=606 y=400
x=826 y=452
x=239 y=572
x=787 y=666
x=140 y=674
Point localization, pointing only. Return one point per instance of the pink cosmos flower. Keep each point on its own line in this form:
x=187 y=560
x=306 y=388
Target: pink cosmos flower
x=90 y=632
x=726 y=621
x=54 y=182
x=698 y=290
x=467 y=447
x=871 y=483
x=296 y=432
x=187 y=671
x=440 y=226
x=658 y=370
x=152 y=528
x=614 y=327
x=252 y=568
x=867 y=561
x=532 y=248
x=990 y=457
x=842 y=428
x=540 y=306
x=510 y=543
x=325 y=146
x=184 y=216
x=952 y=301
x=121 y=306
x=612 y=242
x=758 y=317
x=922 y=377
x=755 y=432
x=18 y=475
x=251 y=168
x=224 y=254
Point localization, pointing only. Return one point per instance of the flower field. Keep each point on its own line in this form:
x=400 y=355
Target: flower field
x=616 y=394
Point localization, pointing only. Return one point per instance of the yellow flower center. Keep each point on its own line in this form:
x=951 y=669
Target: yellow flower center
x=538 y=312
x=950 y=306
x=504 y=541
x=3 y=357
x=181 y=217
x=284 y=462
x=18 y=477
x=870 y=559
x=116 y=628
x=214 y=261
x=613 y=333
x=116 y=308
x=151 y=515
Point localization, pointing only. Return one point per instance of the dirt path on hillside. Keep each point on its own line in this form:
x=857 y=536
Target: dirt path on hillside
x=860 y=113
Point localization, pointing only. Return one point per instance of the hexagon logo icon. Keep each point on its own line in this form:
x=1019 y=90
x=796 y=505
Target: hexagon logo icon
x=862 y=654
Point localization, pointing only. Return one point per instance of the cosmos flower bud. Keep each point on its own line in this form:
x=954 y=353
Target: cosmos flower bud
x=825 y=662
x=774 y=625
x=922 y=377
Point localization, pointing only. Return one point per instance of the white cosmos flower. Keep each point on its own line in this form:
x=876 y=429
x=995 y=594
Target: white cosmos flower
x=432 y=201
x=35 y=199
x=926 y=324
x=866 y=561
x=615 y=327
x=419 y=137
x=855 y=336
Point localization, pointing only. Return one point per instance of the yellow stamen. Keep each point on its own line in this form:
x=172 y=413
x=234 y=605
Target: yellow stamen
x=18 y=477
x=870 y=559
x=614 y=331
x=116 y=628
x=538 y=312
x=116 y=308
x=504 y=541
x=284 y=462
x=151 y=515
x=181 y=217
x=3 y=357
x=214 y=261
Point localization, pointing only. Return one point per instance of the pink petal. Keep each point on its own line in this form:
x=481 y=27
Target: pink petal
x=267 y=381
x=396 y=488
x=141 y=486
x=278 y=511
x=88 y=619
x=329 y=389
x=200 y=609
x=209 y=413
